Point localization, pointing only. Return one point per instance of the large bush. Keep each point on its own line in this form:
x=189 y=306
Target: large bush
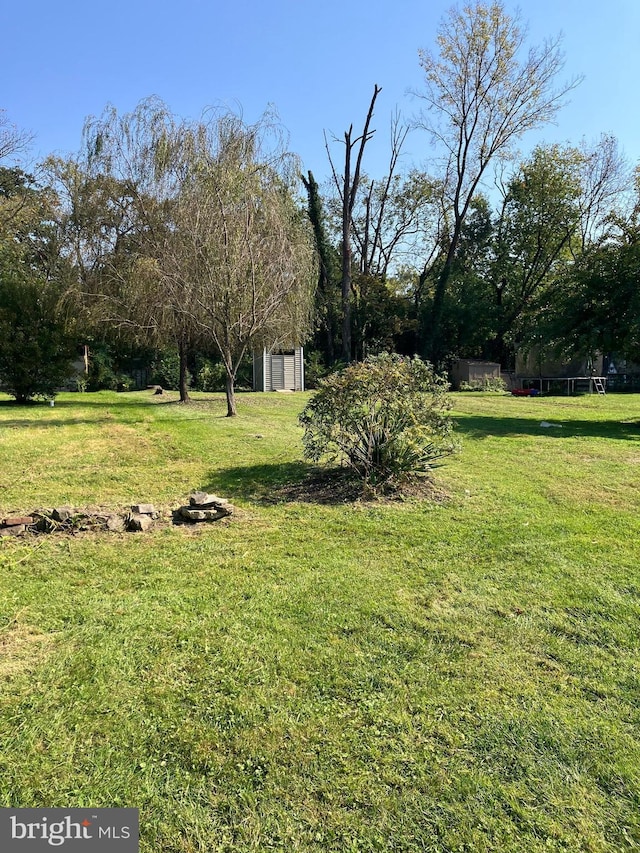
x=35 y=349
x=209 y=376
x=385 y=418
x=165 y=369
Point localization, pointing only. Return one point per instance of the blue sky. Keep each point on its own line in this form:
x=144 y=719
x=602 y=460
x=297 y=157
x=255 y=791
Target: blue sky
x=315 y=62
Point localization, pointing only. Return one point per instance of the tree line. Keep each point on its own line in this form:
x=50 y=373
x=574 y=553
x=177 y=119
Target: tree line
x=204 y=237
x=171 y=233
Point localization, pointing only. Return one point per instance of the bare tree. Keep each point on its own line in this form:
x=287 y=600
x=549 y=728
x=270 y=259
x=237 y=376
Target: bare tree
x=480 y=99
x=12 y=139
x=347 y=185
x=605 y=179
x=396 y=222
x=374 y=243
x=390 y=222
x=397 y=218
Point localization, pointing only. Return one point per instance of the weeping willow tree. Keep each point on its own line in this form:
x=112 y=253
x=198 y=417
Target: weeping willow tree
x=242 y=247
x=188 y=232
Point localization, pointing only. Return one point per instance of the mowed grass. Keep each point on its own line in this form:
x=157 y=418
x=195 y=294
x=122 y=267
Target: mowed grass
x=404 y=676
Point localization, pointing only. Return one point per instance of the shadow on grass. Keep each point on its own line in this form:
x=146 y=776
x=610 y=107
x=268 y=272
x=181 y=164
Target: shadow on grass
x=300 y=482
x=121 y=409
x=478 y=426
x=286 y=482
x=15 y=423
x=100 y=412
x=88 y=400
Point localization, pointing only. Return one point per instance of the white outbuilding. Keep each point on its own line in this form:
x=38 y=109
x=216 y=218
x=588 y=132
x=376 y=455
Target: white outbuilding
x=279 y=369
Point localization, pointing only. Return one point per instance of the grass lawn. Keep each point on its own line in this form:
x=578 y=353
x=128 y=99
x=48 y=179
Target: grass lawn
x=411 y=676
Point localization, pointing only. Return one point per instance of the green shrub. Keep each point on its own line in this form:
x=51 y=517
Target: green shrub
x=488 y=383
x=209 y=376
x=165 y=369
x=314 y=369
x=36 y=351
x=104 y=372
x=385 y=418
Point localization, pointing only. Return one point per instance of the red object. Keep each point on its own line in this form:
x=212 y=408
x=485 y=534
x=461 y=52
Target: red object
x=525 y=392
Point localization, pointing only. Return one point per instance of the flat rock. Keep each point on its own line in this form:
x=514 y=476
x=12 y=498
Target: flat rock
x=192 y=514
x=139 y=522
x=115 y=523
x=15 y=530
x=215 y=514
x=204 y=500
x=143 y=509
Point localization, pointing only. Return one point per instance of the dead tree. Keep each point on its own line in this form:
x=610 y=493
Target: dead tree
x=347 y=187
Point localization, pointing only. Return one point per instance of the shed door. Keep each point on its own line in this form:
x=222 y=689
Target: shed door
x=289 y=372
x=277 y=372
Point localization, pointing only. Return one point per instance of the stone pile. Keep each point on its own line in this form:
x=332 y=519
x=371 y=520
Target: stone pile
x=140 y=517
x=203 y=507
x=69 y=519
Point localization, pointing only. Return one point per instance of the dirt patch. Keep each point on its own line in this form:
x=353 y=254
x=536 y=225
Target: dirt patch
x=340 y=486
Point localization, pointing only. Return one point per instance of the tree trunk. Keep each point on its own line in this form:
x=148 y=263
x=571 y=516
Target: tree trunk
x=434 y=335
x=231 y=396
x=346 y=297
x=348 y=192
x=184 y=390
x=330 y=350
x=436 y=347
x=499 y=344
x=325 y=285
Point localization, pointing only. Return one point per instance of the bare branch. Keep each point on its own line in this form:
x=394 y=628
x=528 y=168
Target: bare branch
x=12 y=140
x=480 y=99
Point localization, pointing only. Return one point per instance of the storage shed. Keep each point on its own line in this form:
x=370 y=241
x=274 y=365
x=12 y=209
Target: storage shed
x=279 y=370
x=472 y=372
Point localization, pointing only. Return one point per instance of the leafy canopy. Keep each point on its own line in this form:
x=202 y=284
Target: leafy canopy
x=36 y=346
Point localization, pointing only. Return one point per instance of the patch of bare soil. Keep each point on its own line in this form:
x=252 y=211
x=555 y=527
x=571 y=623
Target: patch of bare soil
x=340 y=486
